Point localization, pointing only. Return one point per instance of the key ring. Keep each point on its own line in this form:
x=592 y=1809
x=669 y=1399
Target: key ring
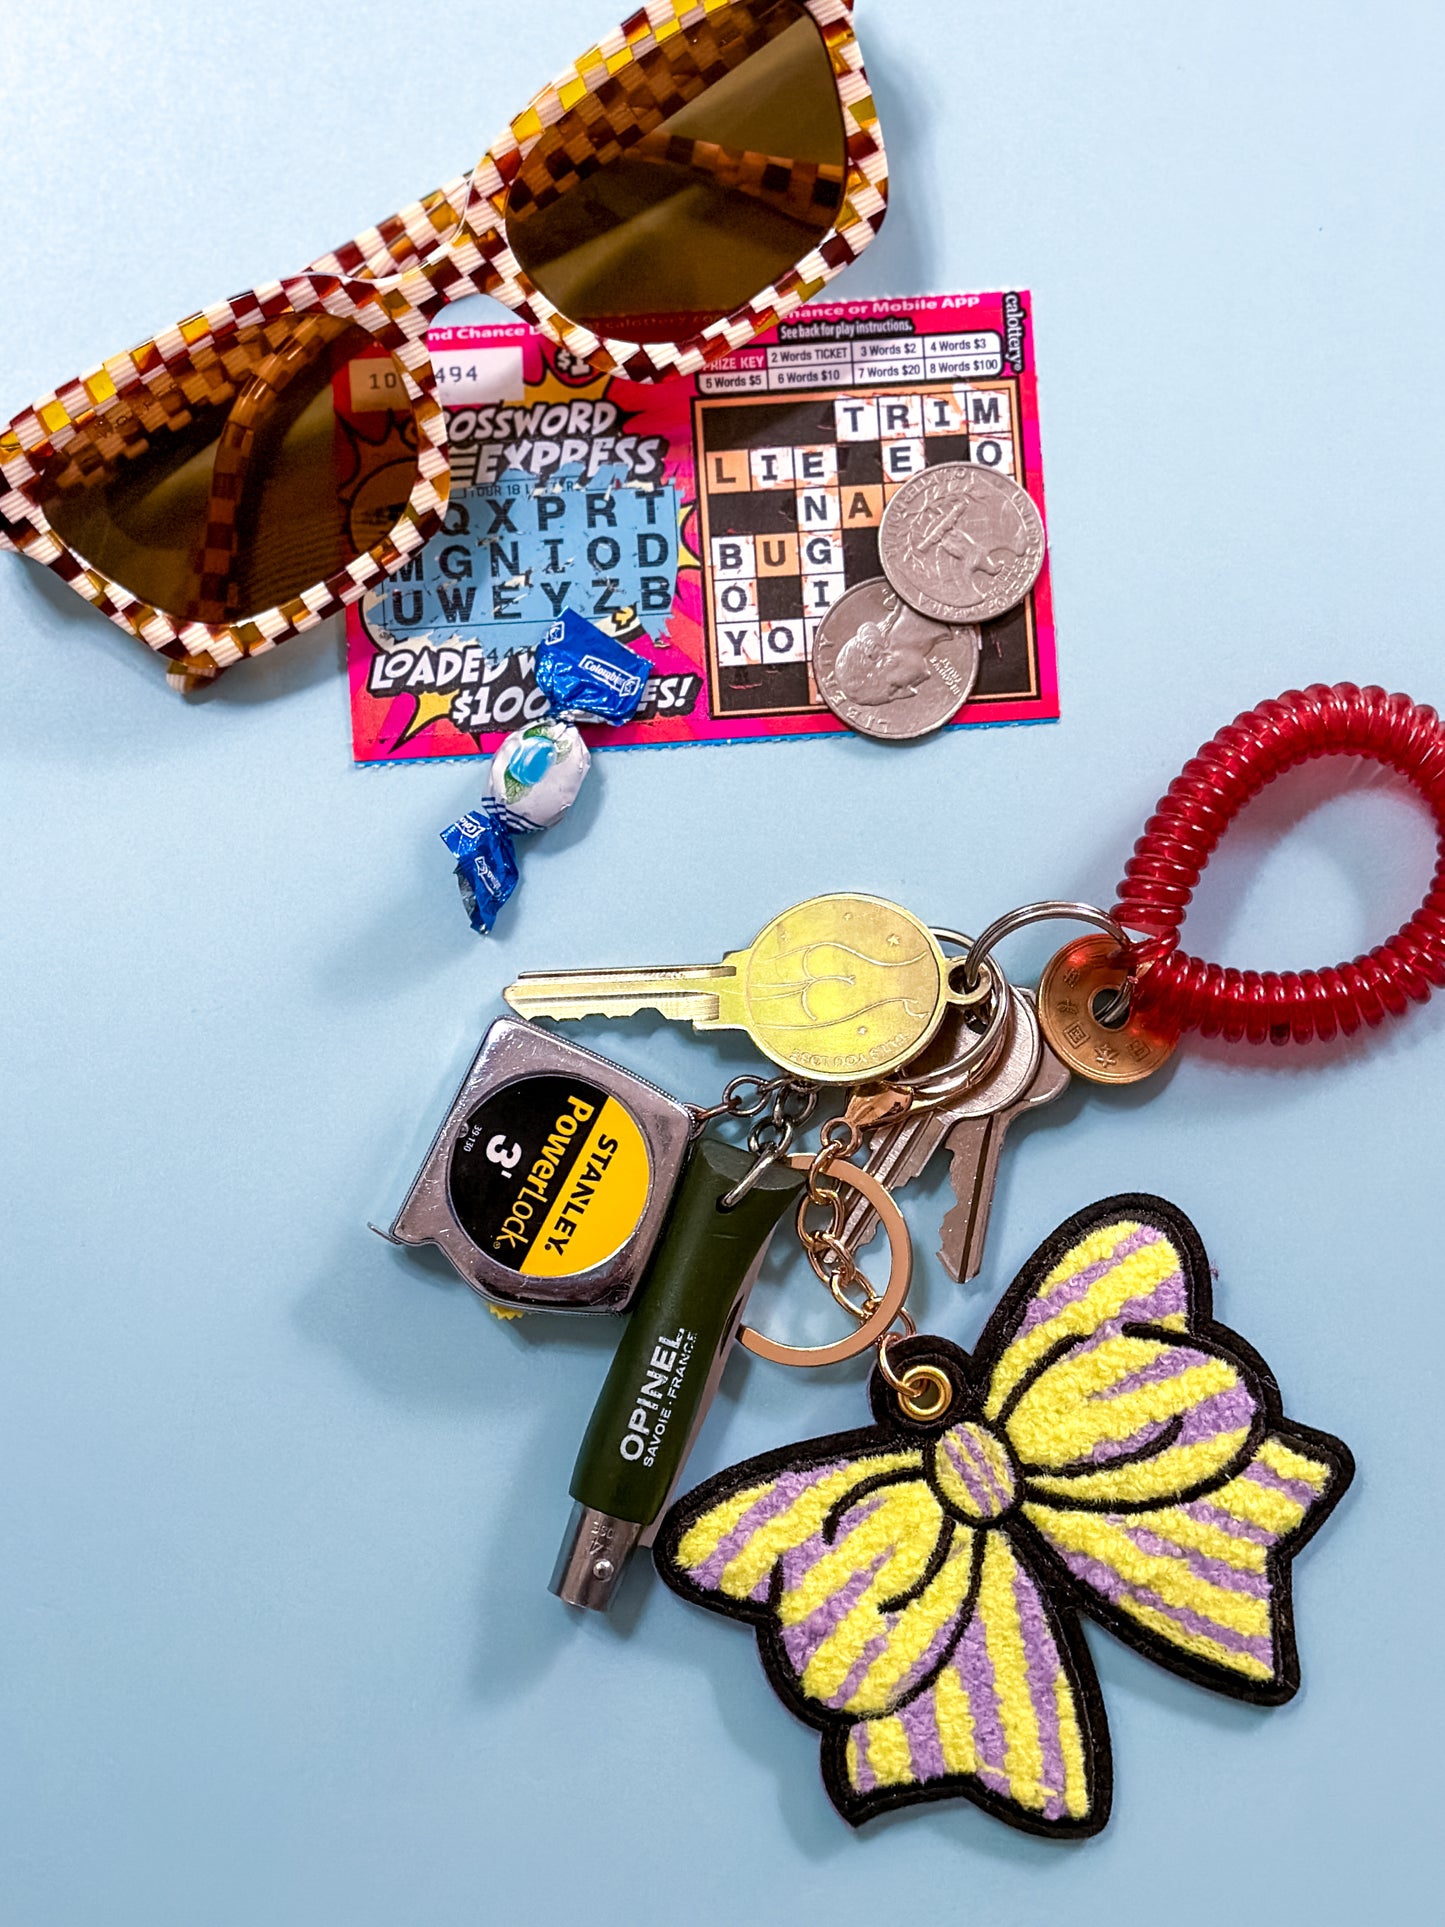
x=771 y=1138
x=875 y=1324
x=927 y=1090
x=1046 y=911
x=928 y=1087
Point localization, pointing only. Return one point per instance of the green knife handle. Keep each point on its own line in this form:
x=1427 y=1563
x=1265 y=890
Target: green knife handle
x=681 y=1321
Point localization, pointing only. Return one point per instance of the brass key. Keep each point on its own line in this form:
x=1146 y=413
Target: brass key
x=839 y=989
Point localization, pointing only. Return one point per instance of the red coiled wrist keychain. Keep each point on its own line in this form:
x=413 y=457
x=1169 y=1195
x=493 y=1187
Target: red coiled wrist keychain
x=1178 y=992
x=1114 y=1006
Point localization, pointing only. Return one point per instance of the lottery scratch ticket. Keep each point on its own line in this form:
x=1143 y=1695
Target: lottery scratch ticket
x=709 y=521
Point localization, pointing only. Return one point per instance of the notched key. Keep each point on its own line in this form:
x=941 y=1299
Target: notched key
x=974 y=1145
x=841 y=990
x=899 y=1151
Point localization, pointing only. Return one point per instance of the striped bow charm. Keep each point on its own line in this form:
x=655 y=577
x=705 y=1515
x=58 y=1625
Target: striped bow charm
x=1108 y=1448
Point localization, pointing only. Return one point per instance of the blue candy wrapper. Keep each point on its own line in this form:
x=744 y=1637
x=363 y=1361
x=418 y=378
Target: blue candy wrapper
x=587 y=677
x=486 y=863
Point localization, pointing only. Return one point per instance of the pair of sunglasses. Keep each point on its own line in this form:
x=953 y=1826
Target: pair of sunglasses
x=694 y=177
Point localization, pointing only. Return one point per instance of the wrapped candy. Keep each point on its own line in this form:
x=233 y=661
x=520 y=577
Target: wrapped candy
x=537 y=772
x=587 y=677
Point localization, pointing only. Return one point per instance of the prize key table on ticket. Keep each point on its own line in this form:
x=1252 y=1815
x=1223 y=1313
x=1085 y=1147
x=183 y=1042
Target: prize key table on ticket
x=780 y=367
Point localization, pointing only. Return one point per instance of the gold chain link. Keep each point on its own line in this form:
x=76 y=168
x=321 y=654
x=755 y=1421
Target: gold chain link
x=827 y=1254
x=923 y=1390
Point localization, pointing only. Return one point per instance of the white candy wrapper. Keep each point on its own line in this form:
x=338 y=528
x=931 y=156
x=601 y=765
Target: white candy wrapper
x=537 y=773
x=538 y=770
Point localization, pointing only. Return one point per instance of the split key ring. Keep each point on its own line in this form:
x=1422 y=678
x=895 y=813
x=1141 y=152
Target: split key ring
x=894 y=1296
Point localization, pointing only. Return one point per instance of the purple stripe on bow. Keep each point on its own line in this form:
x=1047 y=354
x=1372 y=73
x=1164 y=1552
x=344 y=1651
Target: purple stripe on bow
x=1300 y=1490
x=858 y=1672
x=937 y=1646
x=975 y=1472
x=1112 y=1586
x=1042 y=1666
x=801 y=1641
x=799 y=1561
x=1107 y=1450
x=1232 y=1410
x=785 y=1490
x=1003 y=1494
x=1215 y=1515
x=1069 y=1290
x=975 y=1670
x=1217 y=1572
x=925 y=1749
x=1169 y=1363
x=1164 y=1300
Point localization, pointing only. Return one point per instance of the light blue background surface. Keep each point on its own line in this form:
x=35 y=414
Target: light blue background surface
x=279 y=1502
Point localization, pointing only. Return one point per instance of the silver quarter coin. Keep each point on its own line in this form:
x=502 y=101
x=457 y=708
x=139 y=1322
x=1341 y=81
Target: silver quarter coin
x=888 y=671
x=961 y=543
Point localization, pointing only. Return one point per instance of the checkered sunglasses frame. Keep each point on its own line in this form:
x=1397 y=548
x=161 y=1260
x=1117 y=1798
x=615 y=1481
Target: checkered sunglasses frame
x=393 y=281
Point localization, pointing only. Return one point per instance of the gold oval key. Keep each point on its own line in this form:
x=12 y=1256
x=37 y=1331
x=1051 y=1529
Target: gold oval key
x=838 y=989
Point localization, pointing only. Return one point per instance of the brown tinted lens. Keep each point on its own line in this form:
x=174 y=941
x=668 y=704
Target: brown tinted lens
x=217 y=497
x=690 y=181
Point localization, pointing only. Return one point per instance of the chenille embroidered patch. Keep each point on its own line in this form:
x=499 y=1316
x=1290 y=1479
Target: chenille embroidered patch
x=1108 y=1449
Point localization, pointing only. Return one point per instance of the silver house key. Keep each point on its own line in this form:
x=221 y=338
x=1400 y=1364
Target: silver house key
x=974 y=1144
x=972 y=1125
x=900 y=1149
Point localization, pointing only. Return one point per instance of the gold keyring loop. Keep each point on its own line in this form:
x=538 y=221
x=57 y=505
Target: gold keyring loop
x=890 y=1301
x=909 y=1383
x=911 y=1398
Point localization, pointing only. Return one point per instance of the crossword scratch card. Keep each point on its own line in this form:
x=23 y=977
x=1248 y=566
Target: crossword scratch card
x=709 y=521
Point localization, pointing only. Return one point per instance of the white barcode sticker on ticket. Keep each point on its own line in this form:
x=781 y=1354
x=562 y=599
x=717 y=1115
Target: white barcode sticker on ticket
x=479 y=375
x=464 y=380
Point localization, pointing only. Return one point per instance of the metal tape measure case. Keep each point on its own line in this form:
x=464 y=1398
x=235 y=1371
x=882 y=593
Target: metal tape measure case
x=549 y=1179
